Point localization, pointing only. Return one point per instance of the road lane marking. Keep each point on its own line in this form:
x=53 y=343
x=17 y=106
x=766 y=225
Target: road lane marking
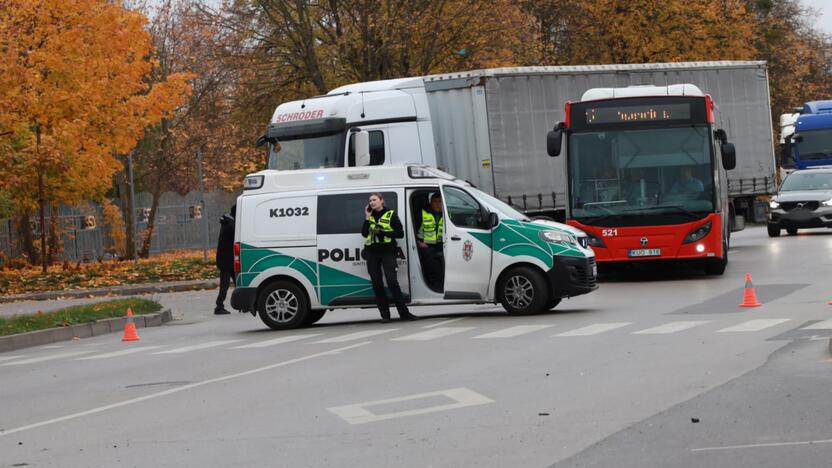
x=671 y=327
x=45 y=358
x=433 y=334
x=196 y=347
x=360 y=414
x=178 y=389
x=277 y=341
x=511 y=332
x=753 y=325
x=444 y=322
x=9 y=358
x=770 y=444
x=355 y=336
x=824 y=325
x=123 y=352
x=595 y=329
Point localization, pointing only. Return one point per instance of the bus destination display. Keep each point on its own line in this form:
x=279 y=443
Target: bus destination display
x=634 y=114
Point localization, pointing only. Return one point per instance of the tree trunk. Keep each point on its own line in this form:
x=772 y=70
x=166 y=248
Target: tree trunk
x=54 y=244
x=128 y=208
x=25 y=238
x=151 y=220
x=42 y=202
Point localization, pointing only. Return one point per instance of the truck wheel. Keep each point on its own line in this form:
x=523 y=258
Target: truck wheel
x=792 y=231
x=523 y=291
x=282 y=305
x=773 y=230
x=313 y=316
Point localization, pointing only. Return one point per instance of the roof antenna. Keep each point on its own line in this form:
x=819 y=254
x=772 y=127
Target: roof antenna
x=362 y=104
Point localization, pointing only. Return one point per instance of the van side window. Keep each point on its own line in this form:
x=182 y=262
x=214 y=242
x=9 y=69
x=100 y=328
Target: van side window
x=463 y=210
x=376 y=149
x=344 y=213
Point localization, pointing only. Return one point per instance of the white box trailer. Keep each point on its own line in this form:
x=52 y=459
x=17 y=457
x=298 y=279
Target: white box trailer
x=489 y=126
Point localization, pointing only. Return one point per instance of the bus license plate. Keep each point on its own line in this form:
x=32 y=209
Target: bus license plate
x=645 y=252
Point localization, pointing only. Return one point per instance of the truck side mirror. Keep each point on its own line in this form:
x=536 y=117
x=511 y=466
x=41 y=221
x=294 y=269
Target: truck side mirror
x=493 y=220
x=797 y=138
x=554 y=140
x=362 y=148
x=729 y=156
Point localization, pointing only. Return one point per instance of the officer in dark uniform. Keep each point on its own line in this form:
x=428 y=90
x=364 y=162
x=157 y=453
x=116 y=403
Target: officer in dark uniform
x=429 y=240
x=381 y=228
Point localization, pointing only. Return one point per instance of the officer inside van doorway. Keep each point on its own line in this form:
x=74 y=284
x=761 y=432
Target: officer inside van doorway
x=381 y=228
x=429 y=238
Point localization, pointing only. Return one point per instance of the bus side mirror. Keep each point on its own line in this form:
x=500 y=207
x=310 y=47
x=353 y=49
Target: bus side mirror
x=362 y=148
x=729 y=156
x=554 y=140
x=493 y=220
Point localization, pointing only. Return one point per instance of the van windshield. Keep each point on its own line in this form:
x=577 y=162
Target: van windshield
x=500 y=205
x=313 y=152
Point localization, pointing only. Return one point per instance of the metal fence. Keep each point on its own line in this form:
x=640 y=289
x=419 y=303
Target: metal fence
x=182 y=222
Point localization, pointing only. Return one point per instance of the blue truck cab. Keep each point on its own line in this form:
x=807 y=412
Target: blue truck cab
x=812 y=138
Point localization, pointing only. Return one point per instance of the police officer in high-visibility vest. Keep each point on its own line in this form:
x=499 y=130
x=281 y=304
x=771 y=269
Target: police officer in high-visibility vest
x=382 y=227
x=429 y=240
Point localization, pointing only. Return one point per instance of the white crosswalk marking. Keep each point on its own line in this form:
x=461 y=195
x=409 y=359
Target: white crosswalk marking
x=511 y=332
x=356 y=336
x=11 y=358
x=45 y=358
x=433 y=333
x=123 y=352
x=753 y=325
x=824 y=325
x=671 y=327
x=595 y=329
x=209 y=344
x=277 y=341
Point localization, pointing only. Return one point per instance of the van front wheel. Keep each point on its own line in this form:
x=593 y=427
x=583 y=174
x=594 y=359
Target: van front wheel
x=523 y=291
x=282 y=305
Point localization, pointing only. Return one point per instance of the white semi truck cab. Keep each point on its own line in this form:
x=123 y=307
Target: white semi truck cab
x=321 y=131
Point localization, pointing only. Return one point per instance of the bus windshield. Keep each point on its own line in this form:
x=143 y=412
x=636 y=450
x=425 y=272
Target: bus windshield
x=644 y=176
x=314 y=152
x=815 y=145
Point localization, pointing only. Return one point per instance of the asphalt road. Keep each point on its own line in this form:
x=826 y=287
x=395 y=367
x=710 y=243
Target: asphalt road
x=656 y=368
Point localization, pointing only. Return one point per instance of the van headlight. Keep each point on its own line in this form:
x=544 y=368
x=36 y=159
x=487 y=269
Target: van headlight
x=556 y=236
x=773 y=205
x=253 y=182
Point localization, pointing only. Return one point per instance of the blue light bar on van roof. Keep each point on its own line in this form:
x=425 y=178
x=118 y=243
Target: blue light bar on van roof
x=424 y=172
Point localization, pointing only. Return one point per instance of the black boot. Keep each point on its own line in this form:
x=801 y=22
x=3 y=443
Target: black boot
x=406 y=315
x=220 y=310
x=385 y=316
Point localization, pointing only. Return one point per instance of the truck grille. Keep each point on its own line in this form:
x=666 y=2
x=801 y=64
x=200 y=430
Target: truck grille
x=804 y=205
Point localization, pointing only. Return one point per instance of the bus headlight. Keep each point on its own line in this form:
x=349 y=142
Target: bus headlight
x=556 y=236
x=698 y=233
x=774 y=205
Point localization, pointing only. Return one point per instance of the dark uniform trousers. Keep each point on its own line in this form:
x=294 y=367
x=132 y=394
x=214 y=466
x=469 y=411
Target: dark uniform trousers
x=433 y=260
x=226 y=277
x=375 y=260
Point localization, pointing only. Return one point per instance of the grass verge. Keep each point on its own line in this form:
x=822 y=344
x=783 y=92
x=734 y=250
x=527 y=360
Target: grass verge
x=76 y=314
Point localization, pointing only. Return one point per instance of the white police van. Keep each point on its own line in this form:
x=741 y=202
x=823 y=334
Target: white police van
x=299 y=250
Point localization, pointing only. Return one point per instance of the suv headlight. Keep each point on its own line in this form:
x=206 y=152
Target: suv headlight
x=773 y=205
x=698 y=233
x=827 y=202
x=556 y=236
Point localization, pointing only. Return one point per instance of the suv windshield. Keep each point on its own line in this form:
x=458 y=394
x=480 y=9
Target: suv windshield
x=641 y=176
x=307 y=153
x=815 y=145
x=807 y=180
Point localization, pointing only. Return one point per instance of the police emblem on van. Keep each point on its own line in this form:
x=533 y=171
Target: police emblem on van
x=467 y=250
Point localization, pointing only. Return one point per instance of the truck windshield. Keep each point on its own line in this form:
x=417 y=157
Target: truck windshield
x=815 y=145
x=645 y=176
x=312 y=152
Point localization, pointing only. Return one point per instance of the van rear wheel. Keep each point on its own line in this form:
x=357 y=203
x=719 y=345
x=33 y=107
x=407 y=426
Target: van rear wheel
x=282 y=306
x=523 y=291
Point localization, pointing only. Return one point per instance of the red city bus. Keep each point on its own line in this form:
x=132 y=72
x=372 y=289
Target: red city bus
x=646 y=174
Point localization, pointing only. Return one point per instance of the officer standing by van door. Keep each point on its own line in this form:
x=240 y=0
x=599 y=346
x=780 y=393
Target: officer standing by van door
x=382 y=227
x=225 y=258
x=429 y=240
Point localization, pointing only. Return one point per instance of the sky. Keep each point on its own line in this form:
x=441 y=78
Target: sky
x=824 y=8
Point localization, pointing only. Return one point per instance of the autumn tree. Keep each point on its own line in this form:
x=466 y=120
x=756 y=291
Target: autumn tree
x=73 y=93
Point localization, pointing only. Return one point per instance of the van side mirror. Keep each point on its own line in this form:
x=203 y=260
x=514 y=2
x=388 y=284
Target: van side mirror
x=729 y=156
x=362 y=148
x=554 y=140
x=493 y=220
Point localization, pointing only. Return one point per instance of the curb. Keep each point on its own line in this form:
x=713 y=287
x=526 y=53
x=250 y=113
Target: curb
x=127 y=290
x=81 y=330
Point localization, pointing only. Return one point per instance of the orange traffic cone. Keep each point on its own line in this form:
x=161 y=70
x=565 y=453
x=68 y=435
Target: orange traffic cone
x=130 y=328
x=749 y=297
